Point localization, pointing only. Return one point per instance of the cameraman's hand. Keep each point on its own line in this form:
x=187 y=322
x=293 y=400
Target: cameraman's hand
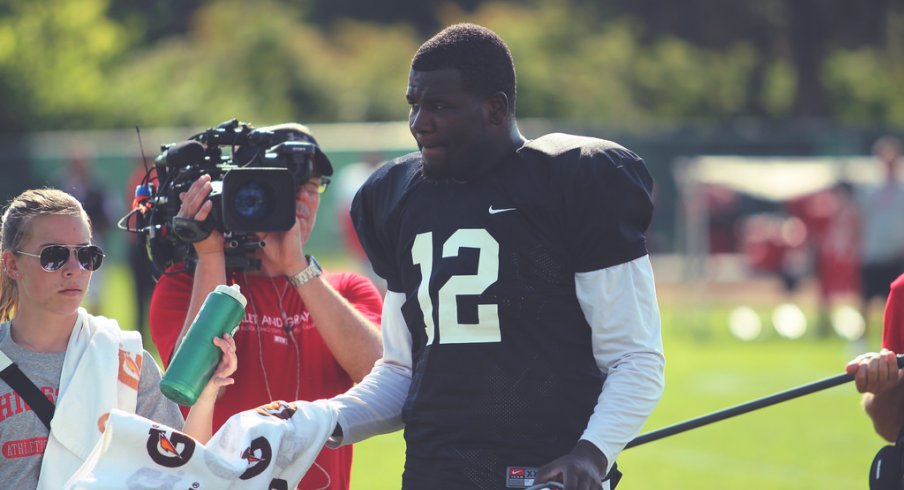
x=284 y=251
x=196 y=206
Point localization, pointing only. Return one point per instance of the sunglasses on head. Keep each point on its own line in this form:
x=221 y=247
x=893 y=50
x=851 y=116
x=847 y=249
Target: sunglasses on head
x=54 y=257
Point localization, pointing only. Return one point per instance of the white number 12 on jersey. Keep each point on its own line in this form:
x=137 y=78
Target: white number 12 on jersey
x=452 y=332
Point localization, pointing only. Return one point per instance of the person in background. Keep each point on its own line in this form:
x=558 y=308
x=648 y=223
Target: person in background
x=881 y=214
x=832 y=246
x=521 y=328
x=838 y=250
x=84 y=365
x=307 y=334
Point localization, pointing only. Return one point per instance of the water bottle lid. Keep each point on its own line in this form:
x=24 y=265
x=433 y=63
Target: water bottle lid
x=234 y=291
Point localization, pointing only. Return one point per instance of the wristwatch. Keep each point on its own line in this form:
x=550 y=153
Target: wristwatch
x=310 y=272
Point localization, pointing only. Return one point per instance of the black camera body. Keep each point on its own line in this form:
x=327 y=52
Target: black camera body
x=254 y=187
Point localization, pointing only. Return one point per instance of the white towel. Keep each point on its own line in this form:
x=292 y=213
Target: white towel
x=100 y=372
x=269 y=447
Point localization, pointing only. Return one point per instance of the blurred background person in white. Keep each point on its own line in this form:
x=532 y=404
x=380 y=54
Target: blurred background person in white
x=881 y=214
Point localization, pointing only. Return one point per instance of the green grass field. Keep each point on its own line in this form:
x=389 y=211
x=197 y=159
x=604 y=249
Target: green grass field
x=819 y=441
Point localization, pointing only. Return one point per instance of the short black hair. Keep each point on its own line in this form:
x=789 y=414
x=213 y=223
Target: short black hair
x=481 y=56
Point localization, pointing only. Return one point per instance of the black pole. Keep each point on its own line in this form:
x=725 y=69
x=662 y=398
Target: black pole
x=745 y=407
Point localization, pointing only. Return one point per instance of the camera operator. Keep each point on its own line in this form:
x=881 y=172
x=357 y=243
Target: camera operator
x=305 y=336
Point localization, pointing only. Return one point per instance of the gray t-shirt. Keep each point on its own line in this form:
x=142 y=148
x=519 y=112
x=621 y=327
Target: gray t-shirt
x=23 y=436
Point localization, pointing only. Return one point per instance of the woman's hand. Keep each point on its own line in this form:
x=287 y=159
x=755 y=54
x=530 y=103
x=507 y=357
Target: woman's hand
x=199 y=423
x=228 y=364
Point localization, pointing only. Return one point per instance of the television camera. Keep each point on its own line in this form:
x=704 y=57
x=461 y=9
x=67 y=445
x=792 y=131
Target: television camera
x=255 y=174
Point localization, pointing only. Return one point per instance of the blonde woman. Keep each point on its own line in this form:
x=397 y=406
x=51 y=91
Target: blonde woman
x=84 y=364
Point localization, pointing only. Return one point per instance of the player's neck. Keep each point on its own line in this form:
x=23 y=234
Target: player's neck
x=498 y=153
x=516 y=138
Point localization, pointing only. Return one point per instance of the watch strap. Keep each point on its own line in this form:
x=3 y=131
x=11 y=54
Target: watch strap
x=310 y=272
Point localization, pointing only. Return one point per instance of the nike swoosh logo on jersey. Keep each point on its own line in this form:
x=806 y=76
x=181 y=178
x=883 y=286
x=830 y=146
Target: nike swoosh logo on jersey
x=497 y=211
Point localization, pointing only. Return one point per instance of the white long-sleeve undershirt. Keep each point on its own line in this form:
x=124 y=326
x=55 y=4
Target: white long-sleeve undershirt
x=374 y=406
x=620 y=305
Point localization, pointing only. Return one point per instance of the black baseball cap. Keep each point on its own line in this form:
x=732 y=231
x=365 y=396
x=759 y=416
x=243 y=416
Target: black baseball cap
x=299 y=132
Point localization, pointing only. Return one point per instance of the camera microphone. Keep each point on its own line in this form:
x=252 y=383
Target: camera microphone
x=182 y=154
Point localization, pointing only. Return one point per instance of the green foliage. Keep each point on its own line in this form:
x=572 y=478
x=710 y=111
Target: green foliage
x=262 y=64
x=778 y=94
x=90 y=64
x=53 y=59
x=581 y=69
x=239 y=59
x=369 y=84
x=867 y=86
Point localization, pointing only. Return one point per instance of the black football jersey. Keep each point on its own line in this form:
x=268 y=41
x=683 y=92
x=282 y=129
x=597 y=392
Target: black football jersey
x=503 y=372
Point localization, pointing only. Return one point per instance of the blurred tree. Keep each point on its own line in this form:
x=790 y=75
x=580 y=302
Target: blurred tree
x=93 y=63
x=577 y=68
x=255 y=62
x=156 y=20
x=803 y=33
x=263 y=64
x=417 y=13
x=369 y=84
x=53 y=54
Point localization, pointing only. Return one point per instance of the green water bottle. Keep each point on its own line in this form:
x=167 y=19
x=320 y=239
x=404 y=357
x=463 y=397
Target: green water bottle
x=197 y=357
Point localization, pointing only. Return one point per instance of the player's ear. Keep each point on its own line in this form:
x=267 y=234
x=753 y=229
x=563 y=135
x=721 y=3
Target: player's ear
x=496 y=107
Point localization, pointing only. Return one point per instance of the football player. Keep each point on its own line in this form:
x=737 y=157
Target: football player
x=521 y=328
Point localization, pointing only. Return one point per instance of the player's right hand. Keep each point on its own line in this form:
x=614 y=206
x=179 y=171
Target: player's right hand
x=581 y=469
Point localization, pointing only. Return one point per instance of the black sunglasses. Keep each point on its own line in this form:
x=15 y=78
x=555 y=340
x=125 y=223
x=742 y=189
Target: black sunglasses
x=54 y=257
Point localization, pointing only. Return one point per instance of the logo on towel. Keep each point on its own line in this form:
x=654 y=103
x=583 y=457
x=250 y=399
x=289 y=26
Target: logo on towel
x=278 y=409
x=279 y=484
x=102 y=422
x=170 y=451
x=258 y=456
x=129 y=368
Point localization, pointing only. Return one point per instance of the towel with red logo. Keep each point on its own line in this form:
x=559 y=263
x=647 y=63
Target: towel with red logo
x=269 y=447
x=100 y=372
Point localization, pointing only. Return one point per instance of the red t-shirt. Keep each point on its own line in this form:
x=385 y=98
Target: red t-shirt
x=893 y=324
x=317 y=375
